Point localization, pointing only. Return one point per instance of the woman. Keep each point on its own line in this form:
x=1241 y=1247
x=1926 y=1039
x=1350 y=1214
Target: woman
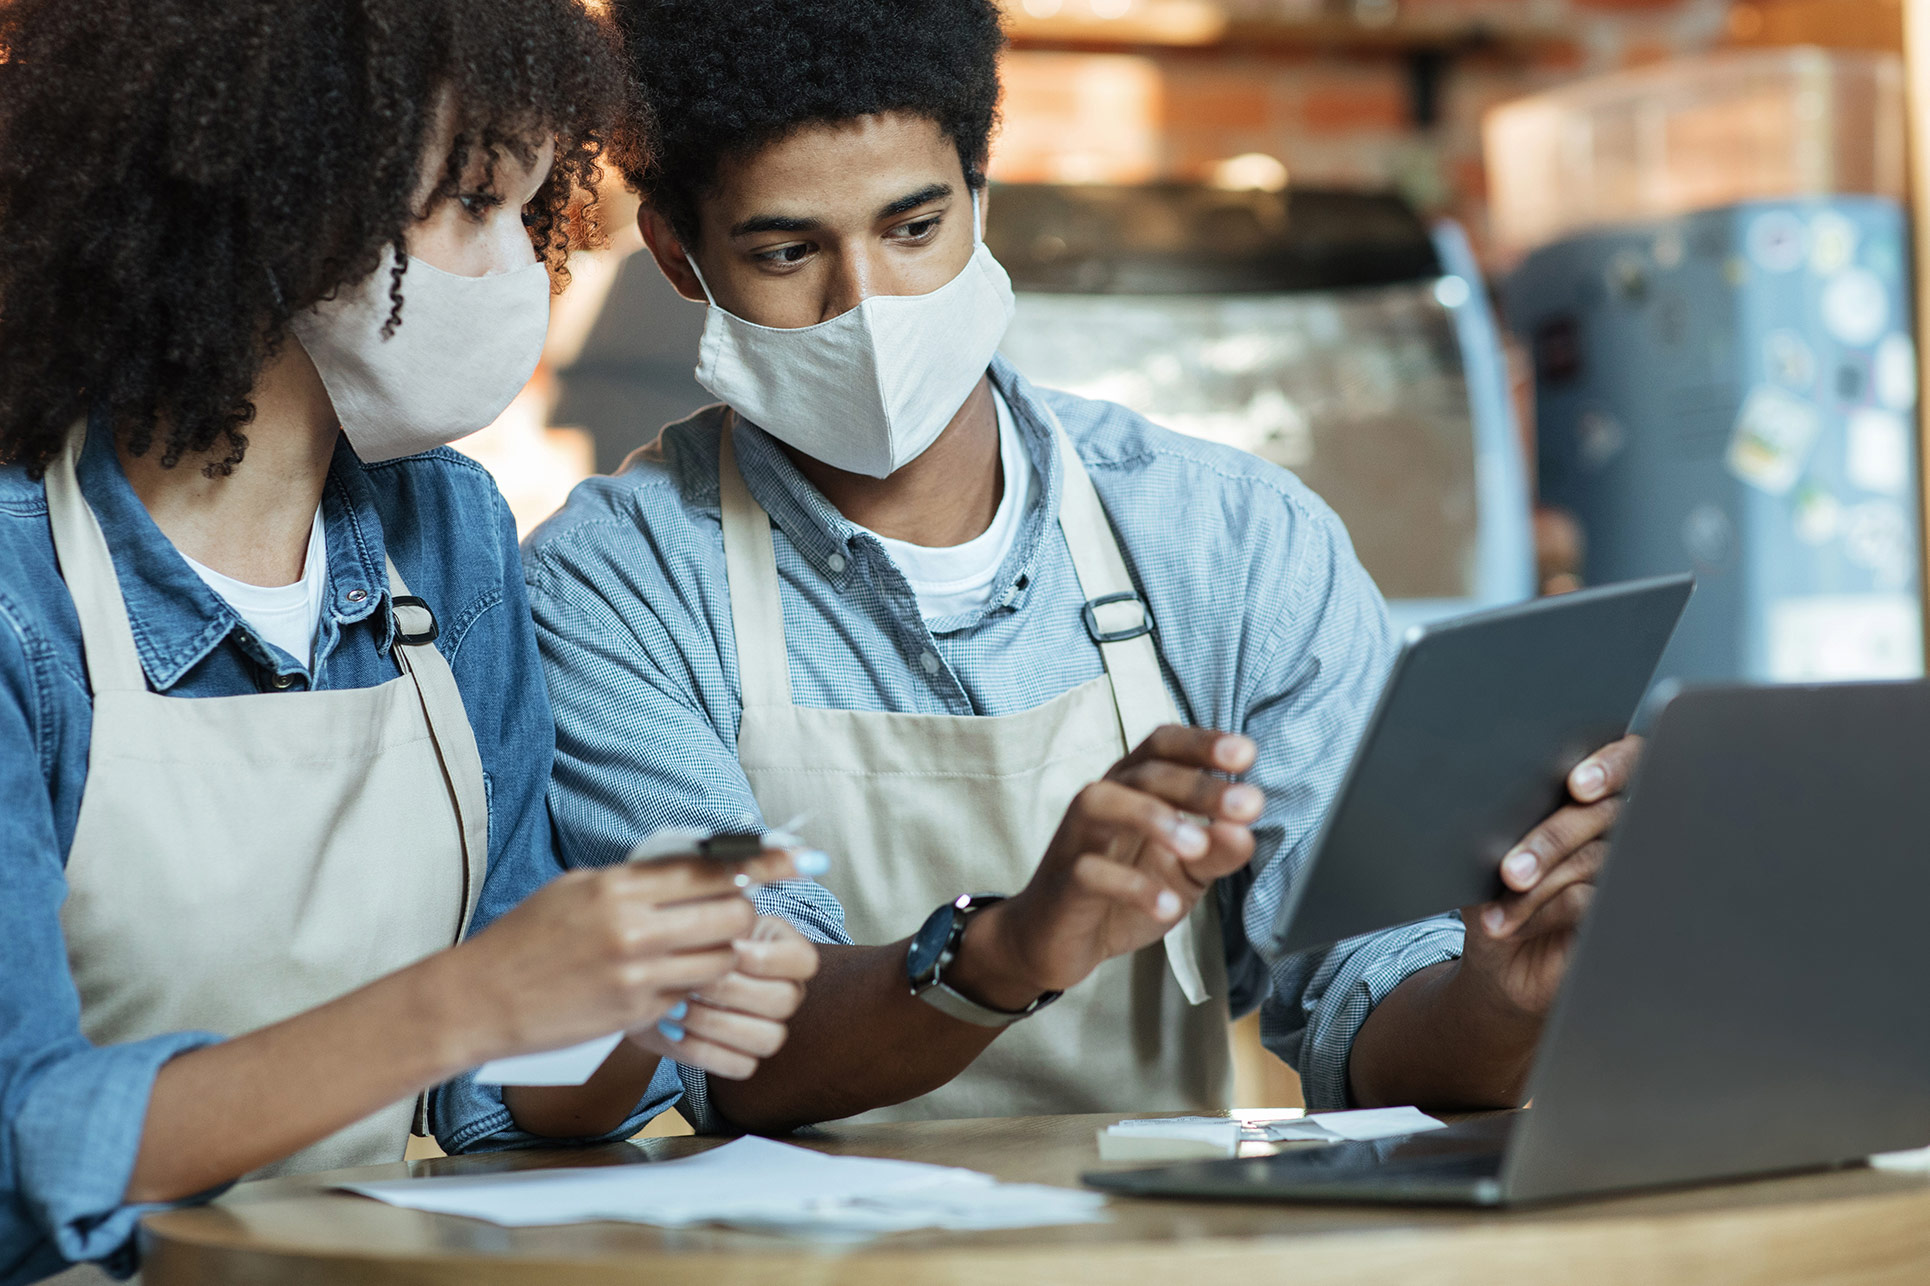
x=273 y=734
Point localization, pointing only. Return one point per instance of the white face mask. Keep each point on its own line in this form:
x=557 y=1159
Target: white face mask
x=463 y=350
x=871 y=389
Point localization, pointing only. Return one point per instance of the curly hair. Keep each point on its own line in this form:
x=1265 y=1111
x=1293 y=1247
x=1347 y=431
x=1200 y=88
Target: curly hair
x=179 y=177
x=713 y=81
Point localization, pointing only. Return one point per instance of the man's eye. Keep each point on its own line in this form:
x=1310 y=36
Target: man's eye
x=796 y=252
x=921 y=229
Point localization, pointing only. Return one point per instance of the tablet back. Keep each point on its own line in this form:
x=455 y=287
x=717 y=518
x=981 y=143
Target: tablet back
x=1749 y=993
x=1470 y=747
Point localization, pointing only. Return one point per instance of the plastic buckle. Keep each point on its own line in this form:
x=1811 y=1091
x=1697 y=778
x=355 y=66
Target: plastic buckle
x=1100 y=636
x=404 y=636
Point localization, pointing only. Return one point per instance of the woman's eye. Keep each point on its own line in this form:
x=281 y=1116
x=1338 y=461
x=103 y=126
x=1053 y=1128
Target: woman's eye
x=477 y=204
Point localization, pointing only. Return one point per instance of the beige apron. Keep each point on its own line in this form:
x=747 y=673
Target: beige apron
x=241 y=859
x=917 y=809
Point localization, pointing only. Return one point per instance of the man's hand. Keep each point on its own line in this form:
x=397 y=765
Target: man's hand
x=1520 y=943
x=1133 y=855
x=730 y=1026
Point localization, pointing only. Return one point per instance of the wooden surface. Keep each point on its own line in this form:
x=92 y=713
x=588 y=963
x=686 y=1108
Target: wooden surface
x=1849 y=1226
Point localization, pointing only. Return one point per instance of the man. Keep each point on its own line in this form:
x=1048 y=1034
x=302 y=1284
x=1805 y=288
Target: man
x=975 y=636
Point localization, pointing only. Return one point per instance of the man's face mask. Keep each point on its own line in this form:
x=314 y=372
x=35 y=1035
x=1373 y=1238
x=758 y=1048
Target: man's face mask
x=871 y=389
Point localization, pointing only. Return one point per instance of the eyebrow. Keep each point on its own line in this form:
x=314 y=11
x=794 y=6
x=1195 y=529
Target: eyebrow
x=792 y=223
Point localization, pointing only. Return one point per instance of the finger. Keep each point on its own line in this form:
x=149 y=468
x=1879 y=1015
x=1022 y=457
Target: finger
x=1565 y=830
x=791 y=958
x=682 y=879
x=776 y=998
x=1106 y=810
x=1581 y=867
x=1606 y=772
x=745 y=1033
x=677 y=974
x=1562 y=913
x=1195 y=748
x=658 y=930
x=695 y=1051
x=1195 y=790
x=1129 y=886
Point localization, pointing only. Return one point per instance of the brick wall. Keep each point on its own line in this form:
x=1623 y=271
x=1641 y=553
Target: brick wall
x=1333 y=116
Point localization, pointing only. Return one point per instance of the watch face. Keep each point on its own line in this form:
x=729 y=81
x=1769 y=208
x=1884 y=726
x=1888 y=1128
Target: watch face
x=928 y=944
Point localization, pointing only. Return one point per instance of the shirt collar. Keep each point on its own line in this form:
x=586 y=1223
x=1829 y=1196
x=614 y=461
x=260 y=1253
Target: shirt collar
x=824 y=536
x=176 y=618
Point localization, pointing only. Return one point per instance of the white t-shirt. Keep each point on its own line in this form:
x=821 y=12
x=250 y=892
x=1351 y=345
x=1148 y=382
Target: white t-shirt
x=957 y=579
x=284 y=615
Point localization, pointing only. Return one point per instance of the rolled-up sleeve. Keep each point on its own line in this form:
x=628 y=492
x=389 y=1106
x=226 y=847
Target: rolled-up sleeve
x=1329 y=655
x=71 y=1115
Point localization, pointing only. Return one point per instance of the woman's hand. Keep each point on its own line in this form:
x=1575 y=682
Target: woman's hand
x=732 y=1024
x=613 y=949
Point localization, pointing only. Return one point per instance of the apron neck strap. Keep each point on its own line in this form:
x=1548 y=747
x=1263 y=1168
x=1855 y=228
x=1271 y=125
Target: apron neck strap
x=113 y=663
x=1116 y=617
x=750 y=565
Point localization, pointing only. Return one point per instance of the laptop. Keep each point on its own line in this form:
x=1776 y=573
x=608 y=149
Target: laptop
x=1470 y=746
x=1748 y=995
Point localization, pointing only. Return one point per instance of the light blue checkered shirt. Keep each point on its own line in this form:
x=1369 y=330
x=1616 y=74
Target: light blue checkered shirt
x=1267 y=625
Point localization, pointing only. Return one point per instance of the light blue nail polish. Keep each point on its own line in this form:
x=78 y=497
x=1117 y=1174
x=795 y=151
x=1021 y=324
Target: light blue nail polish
x=670 y=1031
x=679 y=1011
x=811 y=862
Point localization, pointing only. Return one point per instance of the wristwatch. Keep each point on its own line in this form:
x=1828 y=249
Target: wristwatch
x=935 y=946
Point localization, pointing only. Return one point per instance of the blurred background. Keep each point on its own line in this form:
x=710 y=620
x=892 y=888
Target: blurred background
x=1537 y=293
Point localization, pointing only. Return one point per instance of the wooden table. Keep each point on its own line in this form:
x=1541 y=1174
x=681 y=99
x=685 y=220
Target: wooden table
x=1854 y=1225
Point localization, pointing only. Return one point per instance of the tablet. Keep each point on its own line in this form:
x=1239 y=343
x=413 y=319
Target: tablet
x=1470 y=747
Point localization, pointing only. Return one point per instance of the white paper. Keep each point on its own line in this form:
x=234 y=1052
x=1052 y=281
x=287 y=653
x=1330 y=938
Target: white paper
x=1916 y=1160
x=751 y=1182
x=1175 y=1138
x=571 y=1065
x=1357 y=1126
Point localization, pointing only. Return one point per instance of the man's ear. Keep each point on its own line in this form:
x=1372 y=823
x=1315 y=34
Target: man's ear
x=668 y=251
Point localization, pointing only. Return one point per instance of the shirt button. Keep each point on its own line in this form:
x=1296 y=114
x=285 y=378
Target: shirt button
x=931 y=662
x=357 y=595
x=836 y=563
x=283 y=682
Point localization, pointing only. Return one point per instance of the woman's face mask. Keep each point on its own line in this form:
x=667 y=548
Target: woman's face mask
x=871 y=389
x=461 y=352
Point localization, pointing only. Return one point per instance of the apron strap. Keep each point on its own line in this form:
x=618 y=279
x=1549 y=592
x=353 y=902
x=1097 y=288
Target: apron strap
x=1116 y=616
x=750 y=566
x=435 y=685
x=113 y=663
x=1119 y=621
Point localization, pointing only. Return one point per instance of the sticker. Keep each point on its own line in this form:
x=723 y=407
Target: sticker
x=1772 y=441
x=1778 y=241
x=1602 y=438
x=1832 y=243
x=1709 y=537
x=1876 y=536
x=1819 y=516
x=1896 y=372
x=1791 y=361
x=1878 y=456
x=1856 y=307
x=1844 y=637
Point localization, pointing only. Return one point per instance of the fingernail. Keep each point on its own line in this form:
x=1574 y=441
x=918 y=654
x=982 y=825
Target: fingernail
x=1590 y=778
x=670 y=1031
x=679 y=1011
x=1189 y=839
x=1244 y=801
x=1493 y=919
x=1234 y=752
x=811 y=862
x=1520 y=866
x=1167 y=904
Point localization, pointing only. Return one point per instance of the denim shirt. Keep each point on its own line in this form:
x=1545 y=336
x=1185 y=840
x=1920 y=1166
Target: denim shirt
x=1266 y=624
x=71 y=1113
